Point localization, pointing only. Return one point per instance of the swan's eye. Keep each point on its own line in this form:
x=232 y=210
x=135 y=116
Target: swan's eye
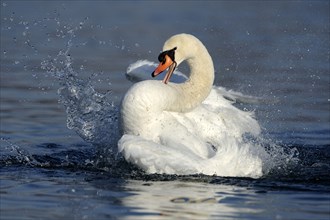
x=161 y=57
x=170 y=53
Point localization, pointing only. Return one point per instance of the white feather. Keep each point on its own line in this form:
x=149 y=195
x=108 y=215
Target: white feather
x=187 y=127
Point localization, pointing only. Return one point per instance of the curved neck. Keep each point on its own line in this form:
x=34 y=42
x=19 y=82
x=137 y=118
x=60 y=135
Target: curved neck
x=195 y=90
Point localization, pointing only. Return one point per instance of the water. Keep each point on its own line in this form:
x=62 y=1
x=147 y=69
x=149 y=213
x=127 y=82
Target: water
x=63 y=65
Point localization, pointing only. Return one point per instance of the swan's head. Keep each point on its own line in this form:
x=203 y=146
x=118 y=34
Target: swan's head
x=176 y=49
x=167 y=60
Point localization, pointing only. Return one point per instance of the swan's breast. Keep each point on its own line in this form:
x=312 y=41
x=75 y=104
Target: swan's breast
x=143 y=103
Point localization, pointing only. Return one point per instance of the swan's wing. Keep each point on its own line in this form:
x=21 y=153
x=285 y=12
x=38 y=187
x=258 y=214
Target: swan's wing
x=232 y=159
x=185 y=137
x=221 y=127
x=236 y=96
x=156 y=158
x=241 y=98
x=212 y=123
x=142 y=69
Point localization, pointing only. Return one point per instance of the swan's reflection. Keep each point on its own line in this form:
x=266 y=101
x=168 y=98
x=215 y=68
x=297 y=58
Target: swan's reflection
x=188 y=200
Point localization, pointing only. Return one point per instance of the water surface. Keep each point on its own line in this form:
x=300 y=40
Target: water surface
x=278 y=51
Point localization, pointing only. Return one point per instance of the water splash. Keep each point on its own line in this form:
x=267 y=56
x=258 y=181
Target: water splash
x=95 y=118
x=91 y=114
x=280 y=159
x=12 y=153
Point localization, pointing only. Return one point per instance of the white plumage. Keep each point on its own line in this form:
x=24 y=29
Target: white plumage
x=188 y=127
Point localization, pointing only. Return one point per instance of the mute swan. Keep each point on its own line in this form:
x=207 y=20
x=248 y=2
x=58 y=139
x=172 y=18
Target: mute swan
x=187 y=128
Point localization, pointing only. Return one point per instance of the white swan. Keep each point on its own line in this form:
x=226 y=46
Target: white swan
x=187 y=128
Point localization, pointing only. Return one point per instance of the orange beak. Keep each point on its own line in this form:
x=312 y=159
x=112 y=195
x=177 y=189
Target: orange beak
x=170 y=64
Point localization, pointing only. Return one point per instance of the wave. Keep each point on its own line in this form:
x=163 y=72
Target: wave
x=311 y=174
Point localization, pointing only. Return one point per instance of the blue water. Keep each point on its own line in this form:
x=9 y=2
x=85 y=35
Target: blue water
x=60 y=58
